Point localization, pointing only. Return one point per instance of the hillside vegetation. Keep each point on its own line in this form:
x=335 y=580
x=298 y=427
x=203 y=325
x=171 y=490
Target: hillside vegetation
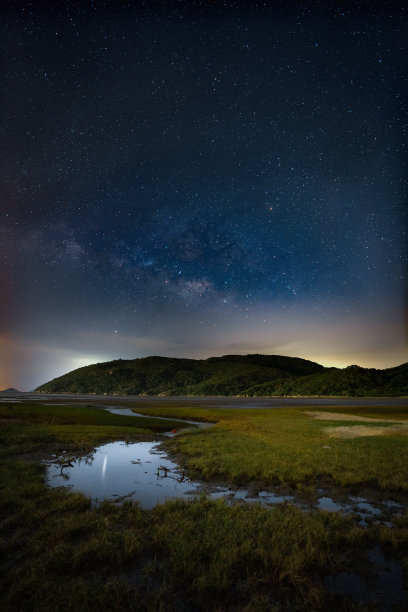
x=246 y=375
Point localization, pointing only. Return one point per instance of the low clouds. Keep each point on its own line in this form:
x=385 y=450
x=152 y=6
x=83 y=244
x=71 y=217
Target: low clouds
x=41 y=354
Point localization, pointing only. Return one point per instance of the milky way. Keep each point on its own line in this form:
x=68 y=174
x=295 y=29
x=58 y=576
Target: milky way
x=201 y=178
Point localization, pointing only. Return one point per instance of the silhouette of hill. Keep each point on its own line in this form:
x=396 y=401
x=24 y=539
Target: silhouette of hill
x=248 y=375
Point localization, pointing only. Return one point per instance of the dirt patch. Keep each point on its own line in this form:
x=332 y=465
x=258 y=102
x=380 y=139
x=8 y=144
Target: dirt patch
x=340 y=416
x=357 y=431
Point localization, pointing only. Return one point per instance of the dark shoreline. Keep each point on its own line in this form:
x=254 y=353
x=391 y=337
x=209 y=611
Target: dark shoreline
x=213 y=401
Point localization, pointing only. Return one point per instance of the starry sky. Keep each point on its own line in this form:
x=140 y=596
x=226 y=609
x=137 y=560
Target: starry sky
x=195 y=178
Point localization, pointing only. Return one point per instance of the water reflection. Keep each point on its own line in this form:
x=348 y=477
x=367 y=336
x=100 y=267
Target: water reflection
x=326 y=503
x=129 y=412
x=363 y=511
x=119 y=470
x=380 y=587
x=142 y=471
x=105 y=462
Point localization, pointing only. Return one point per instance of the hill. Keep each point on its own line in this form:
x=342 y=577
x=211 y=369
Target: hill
x=350 y=381
x=10 y=391
x=248 y=375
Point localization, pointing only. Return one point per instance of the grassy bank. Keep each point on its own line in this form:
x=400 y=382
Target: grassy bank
x=32 y=426
x=289 y=446
x=59 y=553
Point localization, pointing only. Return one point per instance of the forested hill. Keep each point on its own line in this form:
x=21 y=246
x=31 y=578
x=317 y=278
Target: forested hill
x=248 y=375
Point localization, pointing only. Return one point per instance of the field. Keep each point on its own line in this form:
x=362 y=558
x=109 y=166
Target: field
x=290 y=446
x=58 y=552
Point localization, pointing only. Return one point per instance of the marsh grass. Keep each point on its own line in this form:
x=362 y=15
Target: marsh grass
x=288 y=446
x=58 y=552
x=78 y=415
x=26 y=427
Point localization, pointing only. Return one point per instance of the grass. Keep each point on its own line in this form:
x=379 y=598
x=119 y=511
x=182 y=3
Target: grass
x=58 y=552
x=27 y=427
x=50 y=416
x=287 y=446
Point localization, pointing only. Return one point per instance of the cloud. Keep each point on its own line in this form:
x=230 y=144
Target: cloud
x=45 y=348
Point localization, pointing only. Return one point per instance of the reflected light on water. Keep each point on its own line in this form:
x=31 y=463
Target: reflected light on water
x=105 y=462
x=142 y=471
x=117 y=470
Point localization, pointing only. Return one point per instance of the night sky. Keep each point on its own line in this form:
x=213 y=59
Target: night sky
x=191 y=179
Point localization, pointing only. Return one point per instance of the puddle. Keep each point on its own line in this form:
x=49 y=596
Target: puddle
x=382 y=585
x=138 y=471
x=393 y=504
x=118 y=470
x=390 y=578
x=122 y=411
x=328 y=504
x=366 y=508
x=143 y=472
x=364 y=512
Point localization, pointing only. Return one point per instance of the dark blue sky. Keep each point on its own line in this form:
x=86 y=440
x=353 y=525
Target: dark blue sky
x=199 y=178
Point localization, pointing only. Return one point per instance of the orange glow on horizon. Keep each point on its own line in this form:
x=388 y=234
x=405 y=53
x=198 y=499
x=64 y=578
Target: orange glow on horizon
x=6 y=363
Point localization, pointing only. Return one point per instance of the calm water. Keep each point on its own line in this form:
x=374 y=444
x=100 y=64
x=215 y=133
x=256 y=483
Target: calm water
x=380 y=589
x=138 y=471
x=119 y=470
x=143 y=472
x=129 y=412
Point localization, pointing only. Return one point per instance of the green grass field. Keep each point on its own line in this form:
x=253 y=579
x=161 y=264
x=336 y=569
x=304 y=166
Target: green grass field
x=57 y=552
x=27 y=427
x=287 y=446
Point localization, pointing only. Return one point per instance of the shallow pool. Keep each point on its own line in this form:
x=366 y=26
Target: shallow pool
x=120 y=470
x=139 y=471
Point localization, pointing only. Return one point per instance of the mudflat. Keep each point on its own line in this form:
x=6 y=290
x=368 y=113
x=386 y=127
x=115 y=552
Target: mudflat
x=211 y=401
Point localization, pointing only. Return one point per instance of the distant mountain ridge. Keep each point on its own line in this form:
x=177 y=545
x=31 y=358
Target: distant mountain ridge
x=10 y=391
x=246 y=375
